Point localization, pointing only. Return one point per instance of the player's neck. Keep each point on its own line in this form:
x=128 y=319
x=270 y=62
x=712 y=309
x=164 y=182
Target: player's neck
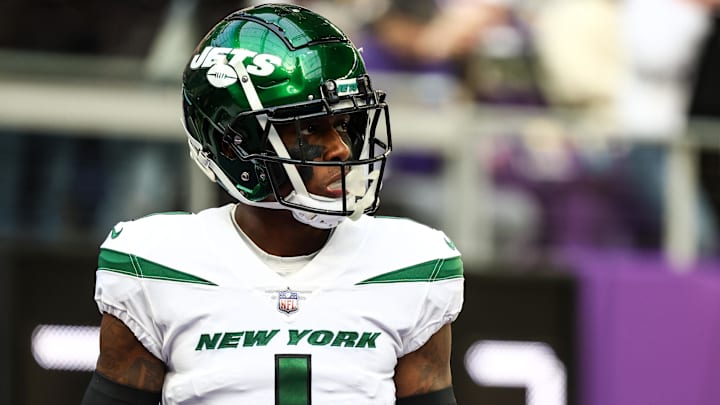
x=278 y=233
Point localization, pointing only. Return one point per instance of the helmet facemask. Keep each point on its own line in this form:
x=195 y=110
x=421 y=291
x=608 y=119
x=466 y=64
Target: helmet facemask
x=289 y=167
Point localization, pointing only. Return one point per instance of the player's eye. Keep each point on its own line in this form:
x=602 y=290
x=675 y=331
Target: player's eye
x=308 y=129
x=342 y=125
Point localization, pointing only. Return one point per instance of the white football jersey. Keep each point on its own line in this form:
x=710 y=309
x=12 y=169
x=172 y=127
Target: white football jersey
x=233 y=331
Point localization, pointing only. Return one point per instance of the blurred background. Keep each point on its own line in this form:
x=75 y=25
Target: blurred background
x=570 y=148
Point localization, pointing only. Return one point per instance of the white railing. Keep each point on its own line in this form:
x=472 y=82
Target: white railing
x=462 y=134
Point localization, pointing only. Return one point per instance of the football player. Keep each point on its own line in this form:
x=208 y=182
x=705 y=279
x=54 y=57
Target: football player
x=294 y=295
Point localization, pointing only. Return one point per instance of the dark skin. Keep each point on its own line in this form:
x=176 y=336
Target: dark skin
x=125 y=360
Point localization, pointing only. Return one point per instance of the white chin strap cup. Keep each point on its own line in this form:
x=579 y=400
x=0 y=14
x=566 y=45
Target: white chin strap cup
x=317 y=220
x=360 y=197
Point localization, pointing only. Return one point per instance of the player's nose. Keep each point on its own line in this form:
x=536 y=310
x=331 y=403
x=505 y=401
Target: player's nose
x=336 y=149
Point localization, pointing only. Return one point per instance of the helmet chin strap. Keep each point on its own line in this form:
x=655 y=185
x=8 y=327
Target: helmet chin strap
x=359 y=183
x=319 y=221
x=356 y=183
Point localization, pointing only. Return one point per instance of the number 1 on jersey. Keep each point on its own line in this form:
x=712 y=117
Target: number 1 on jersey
x=292 y=379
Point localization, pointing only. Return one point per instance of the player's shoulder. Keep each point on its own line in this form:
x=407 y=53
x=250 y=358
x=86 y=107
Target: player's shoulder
x=399 y=223
x=400 y=231
x=400 y=249
x=404 y=253
x=166 y=246
x=161 y=228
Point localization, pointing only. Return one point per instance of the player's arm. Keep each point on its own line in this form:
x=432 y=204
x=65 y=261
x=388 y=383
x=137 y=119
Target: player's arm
x=126 y=373
x=423 y=377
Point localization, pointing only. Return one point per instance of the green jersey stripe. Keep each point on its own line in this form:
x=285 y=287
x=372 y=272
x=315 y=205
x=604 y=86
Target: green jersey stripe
x=433 y=270
x=124 y=263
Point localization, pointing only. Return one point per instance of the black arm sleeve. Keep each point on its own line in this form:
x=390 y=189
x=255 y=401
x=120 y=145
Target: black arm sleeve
x=102 y=391
x=445 y=396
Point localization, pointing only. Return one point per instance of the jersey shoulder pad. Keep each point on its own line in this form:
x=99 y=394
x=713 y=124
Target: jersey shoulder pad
x=149 y=229
x=406 y=251
x=407 y=234
x=170 y=246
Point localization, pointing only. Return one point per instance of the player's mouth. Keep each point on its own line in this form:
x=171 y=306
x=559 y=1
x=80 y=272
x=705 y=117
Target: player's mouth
x=335 y=188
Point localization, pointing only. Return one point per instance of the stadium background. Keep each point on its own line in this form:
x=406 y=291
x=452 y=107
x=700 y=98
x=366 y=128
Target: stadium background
x=587 y=222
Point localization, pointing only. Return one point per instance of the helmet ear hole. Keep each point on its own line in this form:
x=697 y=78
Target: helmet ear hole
x=226 y=147
x=227 y=151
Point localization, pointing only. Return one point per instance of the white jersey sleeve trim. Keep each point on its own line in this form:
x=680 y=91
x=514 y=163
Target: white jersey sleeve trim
x=443 y=305
x=135 y=327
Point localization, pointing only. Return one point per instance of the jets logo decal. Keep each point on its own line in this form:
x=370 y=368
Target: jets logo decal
x=222 y=75
x=115 y=233
x=221 y=63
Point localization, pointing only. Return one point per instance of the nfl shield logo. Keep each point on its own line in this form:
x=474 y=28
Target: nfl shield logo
x=287 y=301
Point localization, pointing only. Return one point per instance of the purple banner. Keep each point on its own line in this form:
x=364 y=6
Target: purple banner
x=647 y=335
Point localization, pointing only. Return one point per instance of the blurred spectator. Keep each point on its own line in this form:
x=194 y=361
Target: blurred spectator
x=578 y=47
x=429 y=35
x=59 y=186
x=705 y=103
x=568 y=181
x=445 y=54
x=457 y=49
x=662 y=42
x=575 y=190
x=625 y=68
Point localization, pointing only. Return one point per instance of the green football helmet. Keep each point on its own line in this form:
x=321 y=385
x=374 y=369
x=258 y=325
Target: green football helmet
x=273 y=65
